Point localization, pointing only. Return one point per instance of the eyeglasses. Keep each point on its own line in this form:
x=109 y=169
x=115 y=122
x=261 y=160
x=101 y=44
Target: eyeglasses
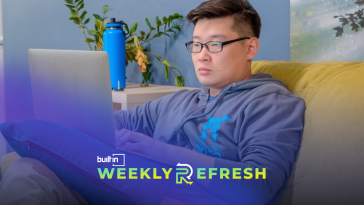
x=211 y=46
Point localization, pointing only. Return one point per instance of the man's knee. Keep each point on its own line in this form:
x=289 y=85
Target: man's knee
x=29 y=168
x=25 y=165
x=29 y=181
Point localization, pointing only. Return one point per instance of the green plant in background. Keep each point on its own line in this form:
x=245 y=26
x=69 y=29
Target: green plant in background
x=355 y=19
x=134 y=41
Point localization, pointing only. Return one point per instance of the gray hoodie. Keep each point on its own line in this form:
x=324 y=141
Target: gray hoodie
x=256 y=123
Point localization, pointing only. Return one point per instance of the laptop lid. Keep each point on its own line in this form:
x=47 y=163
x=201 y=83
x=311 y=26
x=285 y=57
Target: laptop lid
x=73 y=88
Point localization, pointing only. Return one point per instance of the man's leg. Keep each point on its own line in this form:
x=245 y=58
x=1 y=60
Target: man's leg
x=29 y=181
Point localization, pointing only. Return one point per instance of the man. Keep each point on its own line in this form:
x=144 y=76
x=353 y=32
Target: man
x=236 y=120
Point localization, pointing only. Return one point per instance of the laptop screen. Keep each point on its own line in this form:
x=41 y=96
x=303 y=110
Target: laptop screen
x=73 y=88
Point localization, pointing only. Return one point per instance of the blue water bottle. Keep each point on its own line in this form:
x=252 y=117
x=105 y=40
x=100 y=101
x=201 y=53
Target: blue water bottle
x=114 y=45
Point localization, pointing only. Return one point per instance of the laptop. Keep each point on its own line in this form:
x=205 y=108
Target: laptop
x=73 y=88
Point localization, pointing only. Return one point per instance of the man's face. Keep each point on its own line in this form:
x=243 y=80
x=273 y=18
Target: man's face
x=232 y=64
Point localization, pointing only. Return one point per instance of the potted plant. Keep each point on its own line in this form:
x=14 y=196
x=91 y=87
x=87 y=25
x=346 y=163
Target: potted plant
x=134 y=41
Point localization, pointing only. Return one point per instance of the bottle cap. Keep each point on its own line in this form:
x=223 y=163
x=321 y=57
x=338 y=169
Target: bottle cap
x=113 y=24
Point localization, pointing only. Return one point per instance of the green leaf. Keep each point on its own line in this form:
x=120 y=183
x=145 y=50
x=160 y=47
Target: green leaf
x=129 y=41
x=166 y=34
x=178 y=27
x=87 y=20
x=101 y=32
x=126 y=28
x=157 y=21
x=354 y=27
x=76 y=21
x=166 y=63
x=97 y=24
x=91 y=32
x=134 y=28
x=147 y=59
x=83 y=15
x=176 y=15
x=182 y=80
x=146 y=38
x=69 y=1
x=157 y=34
x=105 y=9
x=132 y=54
x=97 y=17
x=142 y=33
x=179 y=81
x=148 y=23
x=149 y=74
x=134 y=49
x=165 y=20
x=166 y=72
x=70 y=6
x=81 y=6
x=73 y=18
x=130 y=57
x=136 y=41
x=176 y=82
x=145 y=77
x=79 y=3
x=74 y=13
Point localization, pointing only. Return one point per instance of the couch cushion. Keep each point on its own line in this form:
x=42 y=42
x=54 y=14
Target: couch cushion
x=73 y=156
x=330 y=162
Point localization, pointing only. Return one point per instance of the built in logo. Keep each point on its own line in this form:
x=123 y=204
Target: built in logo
x=117 y=160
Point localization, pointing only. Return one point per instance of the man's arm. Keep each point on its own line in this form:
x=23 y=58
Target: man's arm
x=140 y=119
x=271 y=135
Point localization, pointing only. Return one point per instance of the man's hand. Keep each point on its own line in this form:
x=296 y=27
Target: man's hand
x=137 y=142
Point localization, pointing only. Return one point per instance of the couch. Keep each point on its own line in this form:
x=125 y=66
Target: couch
x=330 y=164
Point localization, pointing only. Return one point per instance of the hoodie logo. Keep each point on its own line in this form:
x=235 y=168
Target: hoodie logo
x=214 y=124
